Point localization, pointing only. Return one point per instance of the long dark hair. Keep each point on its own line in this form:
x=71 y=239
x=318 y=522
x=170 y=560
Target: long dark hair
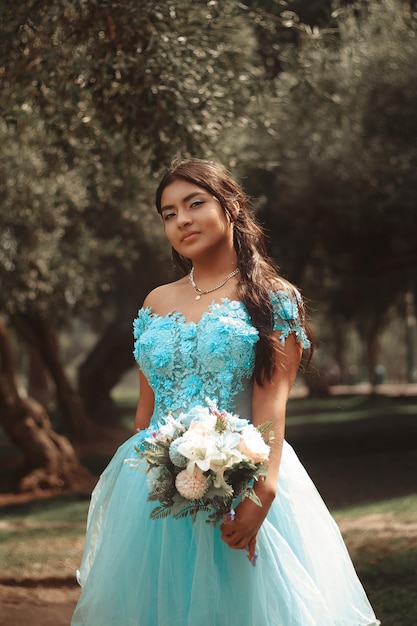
x=257 y=272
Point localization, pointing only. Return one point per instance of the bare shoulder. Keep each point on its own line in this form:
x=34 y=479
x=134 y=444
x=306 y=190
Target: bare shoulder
x=165 y=297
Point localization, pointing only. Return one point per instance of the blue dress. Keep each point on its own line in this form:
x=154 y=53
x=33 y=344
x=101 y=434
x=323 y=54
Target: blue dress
x=141 y=572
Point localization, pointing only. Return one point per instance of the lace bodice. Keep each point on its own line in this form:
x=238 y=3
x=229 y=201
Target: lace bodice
x=185 y=362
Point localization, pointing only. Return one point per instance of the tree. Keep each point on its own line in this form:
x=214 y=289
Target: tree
x=43 y=252
x=343 y=155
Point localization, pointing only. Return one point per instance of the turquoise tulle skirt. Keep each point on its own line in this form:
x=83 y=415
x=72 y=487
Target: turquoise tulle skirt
x=142 y=572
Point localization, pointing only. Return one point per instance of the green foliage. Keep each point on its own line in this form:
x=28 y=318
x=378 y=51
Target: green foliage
x=96 y=98
x=163 y=76
x=279 y=26
x=344 y=152
x=45 y=244
x=182 y=508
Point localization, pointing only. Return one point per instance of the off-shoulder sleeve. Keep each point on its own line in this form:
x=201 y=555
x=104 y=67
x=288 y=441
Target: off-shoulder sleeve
x=140 y=324
x=286 y=305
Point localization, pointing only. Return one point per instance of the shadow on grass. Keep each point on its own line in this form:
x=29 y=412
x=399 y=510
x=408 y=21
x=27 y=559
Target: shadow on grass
x=68 y=508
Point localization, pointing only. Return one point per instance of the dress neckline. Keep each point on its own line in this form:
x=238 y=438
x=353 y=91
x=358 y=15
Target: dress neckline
x=179 y=316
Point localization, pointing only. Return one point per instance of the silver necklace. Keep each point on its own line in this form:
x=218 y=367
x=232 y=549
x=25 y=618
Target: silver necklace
x=201 y=292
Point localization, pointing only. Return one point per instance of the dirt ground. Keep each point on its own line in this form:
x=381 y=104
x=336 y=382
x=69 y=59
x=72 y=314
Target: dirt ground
x=40 y=605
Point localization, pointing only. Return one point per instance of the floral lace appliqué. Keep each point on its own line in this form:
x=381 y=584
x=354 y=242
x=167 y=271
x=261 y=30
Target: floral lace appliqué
x=185 y=362
x=285 y=305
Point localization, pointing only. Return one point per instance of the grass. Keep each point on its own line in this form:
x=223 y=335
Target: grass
x=382 y=538
x=43 y=538
x=403 y=508
x=388 y=572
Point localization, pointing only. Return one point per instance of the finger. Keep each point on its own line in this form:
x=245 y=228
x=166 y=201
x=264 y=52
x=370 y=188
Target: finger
x=228 y=535
x=227 y=527
x=252 y=548
x=234 y=541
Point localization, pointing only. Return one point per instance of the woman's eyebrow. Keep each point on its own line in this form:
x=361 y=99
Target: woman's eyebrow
x=186 y=199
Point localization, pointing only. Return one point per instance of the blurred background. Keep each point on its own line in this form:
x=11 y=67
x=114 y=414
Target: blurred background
x=312 y=105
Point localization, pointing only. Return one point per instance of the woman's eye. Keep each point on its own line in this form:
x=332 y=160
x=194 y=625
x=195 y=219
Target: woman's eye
x=196 y=203
x=167 y=216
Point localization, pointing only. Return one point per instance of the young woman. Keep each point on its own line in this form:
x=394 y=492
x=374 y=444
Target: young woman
x=232 y=330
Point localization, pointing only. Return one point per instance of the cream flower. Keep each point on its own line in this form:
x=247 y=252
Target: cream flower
x=203 y=429
x=191 y=486
x=253 y=446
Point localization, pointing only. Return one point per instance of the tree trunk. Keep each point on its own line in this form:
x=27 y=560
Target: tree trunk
x=103 y=368
x=339 y=346
x=112 y=356
x=369 y=330
x=39 y=331
x=39 y=387
x=372 y=350
x=49 y=459
x=316 y=381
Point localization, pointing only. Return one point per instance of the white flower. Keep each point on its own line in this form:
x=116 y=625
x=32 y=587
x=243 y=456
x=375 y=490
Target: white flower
x=169 y=428
x=199 y=448
x=219 y=481
x=253 y=446
x=191 y=486
x=226 y=445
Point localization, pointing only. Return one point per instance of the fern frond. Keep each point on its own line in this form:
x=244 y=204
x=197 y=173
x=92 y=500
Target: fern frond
x=192 y=509
x=160 y=512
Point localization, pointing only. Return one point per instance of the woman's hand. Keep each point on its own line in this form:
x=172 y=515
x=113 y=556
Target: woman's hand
x=240 y=534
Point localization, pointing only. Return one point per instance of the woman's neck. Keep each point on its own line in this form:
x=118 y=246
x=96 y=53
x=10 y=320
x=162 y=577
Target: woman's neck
x=214 y=268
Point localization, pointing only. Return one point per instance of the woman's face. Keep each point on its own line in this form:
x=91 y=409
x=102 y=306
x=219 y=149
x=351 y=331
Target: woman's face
x=194 y=220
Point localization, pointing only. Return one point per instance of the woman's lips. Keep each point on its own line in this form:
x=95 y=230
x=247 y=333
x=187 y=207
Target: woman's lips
x=190 y=235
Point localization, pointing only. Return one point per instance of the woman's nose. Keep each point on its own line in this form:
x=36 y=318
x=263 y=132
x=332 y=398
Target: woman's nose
x=183 y=217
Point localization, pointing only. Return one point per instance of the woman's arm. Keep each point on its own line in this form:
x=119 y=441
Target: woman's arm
x=145 y=405
x=268 y=404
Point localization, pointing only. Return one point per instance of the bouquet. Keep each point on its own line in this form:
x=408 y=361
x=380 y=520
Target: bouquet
x=202 y=461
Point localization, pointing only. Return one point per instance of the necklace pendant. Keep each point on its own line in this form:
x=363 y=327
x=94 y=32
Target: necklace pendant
x=198 y=297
